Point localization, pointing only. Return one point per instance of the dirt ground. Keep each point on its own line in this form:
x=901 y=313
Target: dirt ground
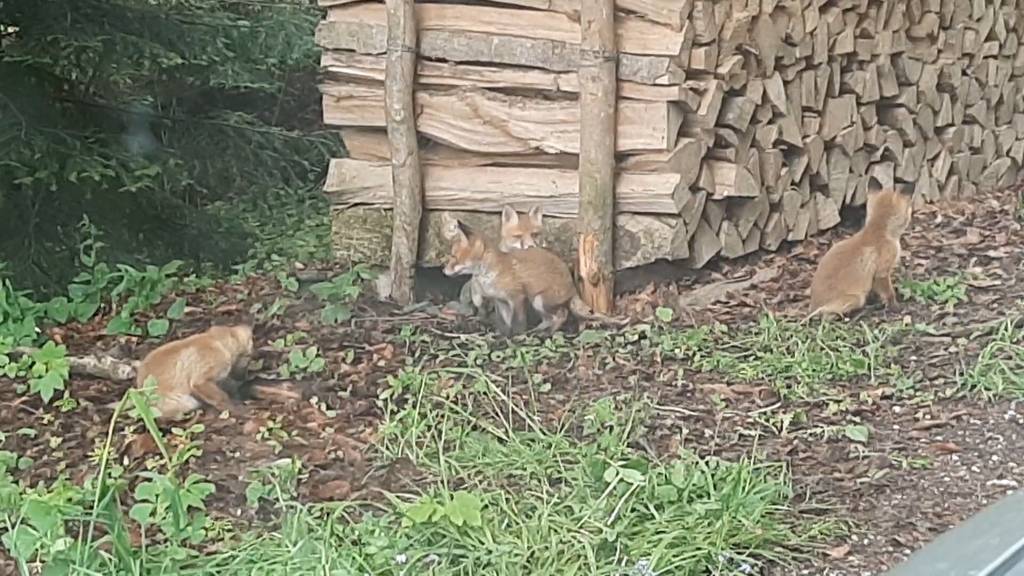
x=928 y=464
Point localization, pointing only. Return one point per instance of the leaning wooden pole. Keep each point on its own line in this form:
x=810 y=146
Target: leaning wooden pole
x=597 y=77
x=406 y=173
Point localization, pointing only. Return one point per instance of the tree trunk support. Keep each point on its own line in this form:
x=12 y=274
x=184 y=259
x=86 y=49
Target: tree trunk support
x=406 y=173
x=597 y=80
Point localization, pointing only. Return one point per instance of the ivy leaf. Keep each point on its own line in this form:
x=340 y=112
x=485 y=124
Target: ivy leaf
x=141 y=512
x=59 y=309
x=177 y=310
x=664 y=314
x=121 y=324
x=857 y=433
x=158 y=327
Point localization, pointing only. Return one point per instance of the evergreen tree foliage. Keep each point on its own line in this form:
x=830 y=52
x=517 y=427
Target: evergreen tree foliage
x=140 y=113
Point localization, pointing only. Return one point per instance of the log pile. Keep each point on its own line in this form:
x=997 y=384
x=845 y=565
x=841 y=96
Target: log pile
x=740 y=124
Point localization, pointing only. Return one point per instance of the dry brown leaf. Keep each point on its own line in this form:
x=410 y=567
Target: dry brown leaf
x=929 y=424
x=332 y=491
x=944 y=447
x=839 y=551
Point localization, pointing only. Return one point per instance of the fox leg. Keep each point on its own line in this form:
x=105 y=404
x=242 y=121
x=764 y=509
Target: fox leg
x=519 y=316
x=210 y=392
x=550 y=321
x=882 y=285
x=504 y=318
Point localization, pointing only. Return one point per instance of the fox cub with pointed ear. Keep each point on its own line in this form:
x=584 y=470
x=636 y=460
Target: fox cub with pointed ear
x=863 y=264
x=515 y=279
x=200 y=369
x=518 y=232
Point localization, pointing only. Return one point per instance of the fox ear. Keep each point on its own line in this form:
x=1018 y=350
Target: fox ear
x=907 y=189
x=537 y=214
x=509 y=216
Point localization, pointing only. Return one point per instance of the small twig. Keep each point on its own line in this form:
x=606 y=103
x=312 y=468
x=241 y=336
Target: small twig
x=978 y=329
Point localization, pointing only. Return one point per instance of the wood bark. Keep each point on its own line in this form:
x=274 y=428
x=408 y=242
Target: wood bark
x=493 y=123
x=406 y=174
x=487 y=188
x=597 y=154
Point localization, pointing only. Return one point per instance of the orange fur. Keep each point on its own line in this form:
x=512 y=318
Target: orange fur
x=517 y=233
x=513 y=280
x=532 y=277
x=863 y=263
x=192 y=371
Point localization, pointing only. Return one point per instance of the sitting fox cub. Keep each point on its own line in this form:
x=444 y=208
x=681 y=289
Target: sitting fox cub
x=854 y=268
x=518 y=232
x=513 y=279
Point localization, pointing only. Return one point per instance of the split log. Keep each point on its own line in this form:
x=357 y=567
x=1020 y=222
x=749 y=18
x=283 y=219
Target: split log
x=683 y=160
x=484 y=121
x=345 y=66
x=672 y=13
x=373 y=145
x=458 y=33
x=704 y=247
x=731 y=181
x=488 y=188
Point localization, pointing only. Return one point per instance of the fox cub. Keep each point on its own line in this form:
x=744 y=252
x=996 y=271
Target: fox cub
x=518 y=232
x=202 y=368
x=533 y=276
x=857 y=266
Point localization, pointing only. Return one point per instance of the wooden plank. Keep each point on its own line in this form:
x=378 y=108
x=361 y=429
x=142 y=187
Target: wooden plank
x=372 y=144
x=673 y=13
x=460 y=33
x=368 y=68
x=490 y=122
x=597 y=154
x=406 y=172
x=487 y=188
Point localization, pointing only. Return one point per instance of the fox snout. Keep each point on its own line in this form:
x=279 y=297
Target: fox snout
x=453 y=268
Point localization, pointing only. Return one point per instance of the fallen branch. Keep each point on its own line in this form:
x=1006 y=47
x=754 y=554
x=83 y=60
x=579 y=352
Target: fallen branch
x=106 y=367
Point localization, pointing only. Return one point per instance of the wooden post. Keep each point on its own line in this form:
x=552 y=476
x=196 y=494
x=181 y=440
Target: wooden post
x=406 y=174
x=597 y=78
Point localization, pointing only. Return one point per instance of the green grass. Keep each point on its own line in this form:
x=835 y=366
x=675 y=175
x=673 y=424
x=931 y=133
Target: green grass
x=798 y=361
x=998 y=371
x=502 y=494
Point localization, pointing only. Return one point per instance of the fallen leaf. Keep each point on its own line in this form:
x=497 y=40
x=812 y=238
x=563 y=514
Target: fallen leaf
x=944 y=447
x=839 y=551
x=929 y=424
x=332 y=491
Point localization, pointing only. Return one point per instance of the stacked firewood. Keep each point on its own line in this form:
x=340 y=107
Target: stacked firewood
x=740 y=124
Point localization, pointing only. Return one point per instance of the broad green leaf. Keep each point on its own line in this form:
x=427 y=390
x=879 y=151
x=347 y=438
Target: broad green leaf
x=857 y=433
x=158 y=327
x=177 y=310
